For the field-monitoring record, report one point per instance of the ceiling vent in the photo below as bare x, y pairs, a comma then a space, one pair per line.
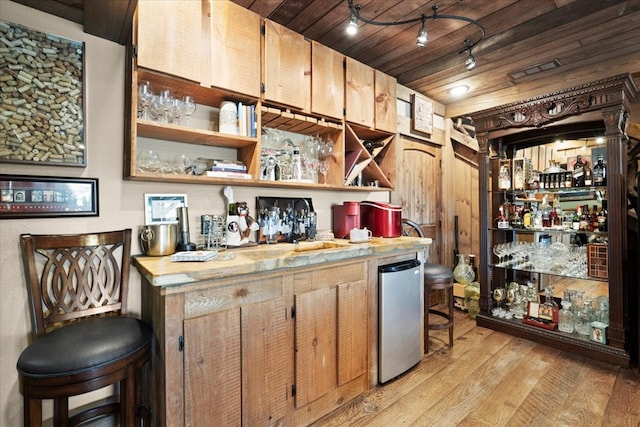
534, 69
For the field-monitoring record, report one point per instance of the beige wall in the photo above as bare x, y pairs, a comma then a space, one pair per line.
121, 202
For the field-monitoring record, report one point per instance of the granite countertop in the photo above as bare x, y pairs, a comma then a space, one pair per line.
161, 271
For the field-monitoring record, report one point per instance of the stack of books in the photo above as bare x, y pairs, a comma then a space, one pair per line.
234, 169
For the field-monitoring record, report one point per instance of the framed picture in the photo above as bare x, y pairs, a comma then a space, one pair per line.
421, 114
162, 208
24, 196
43, 98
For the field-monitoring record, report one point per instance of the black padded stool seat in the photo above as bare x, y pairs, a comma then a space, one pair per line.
440, 278
83, 339
104, 340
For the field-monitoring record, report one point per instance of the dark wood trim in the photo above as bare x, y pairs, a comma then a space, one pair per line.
540, 115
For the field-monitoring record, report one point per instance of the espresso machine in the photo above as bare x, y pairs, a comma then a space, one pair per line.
345, 218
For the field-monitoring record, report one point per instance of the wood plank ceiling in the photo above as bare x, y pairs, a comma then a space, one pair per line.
586, 39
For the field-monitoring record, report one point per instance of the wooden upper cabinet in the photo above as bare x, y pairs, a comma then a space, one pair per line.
386, 115
327, 81
170, 37
359, 93
287, 67
235, 48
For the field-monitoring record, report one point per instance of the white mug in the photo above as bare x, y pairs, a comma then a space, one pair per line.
357, 235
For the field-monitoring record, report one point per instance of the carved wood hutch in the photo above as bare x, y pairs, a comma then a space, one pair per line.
601, 106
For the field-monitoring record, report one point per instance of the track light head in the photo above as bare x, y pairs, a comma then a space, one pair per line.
470, 63
423, 36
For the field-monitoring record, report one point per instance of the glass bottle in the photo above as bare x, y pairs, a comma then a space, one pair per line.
600, 173
575, 220
578, 172
463, 273
588, 176
504, 178
518, 178
296, 164
545, 210
565, 318
472, 298
602, 217
581, 317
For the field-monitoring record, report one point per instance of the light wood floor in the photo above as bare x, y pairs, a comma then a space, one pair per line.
492, 379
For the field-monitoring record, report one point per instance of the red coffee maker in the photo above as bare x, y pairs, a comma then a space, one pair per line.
345, 218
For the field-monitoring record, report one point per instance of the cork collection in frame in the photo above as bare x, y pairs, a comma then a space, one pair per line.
42, 104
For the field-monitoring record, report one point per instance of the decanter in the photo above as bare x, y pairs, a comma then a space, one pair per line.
565, 317
463, 273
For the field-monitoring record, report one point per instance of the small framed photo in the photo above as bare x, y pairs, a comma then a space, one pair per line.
421, 114
598, 332
162, 208
24, 196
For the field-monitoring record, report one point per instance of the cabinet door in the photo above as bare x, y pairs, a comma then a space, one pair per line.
359, 93
287, 67
235, 48
352, 331
327, 81
315, 335
265, 363
385, 102
170, 37
212, 379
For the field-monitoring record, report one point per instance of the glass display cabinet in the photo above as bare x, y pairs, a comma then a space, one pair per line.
546, 226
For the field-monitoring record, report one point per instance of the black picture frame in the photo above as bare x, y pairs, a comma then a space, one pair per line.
23, 196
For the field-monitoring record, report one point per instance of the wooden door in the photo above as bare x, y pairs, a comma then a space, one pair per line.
235, 48
315, 343
385, 99
170, 37
327, 81
212, 377
419, 189
352, 331
359, 93
265, 363
287, 67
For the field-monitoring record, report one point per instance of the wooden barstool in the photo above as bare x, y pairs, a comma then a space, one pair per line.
438, 278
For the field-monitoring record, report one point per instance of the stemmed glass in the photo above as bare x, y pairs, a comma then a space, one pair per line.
188, 108
145, 96
163, 104
323, 168
498, 295
498, 250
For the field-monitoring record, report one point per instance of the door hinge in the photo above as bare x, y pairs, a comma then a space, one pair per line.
262, 88
180, 343
263, 29
134, 51
293, 311
293, 390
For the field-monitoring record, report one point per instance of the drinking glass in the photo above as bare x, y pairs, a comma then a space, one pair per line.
188, 108
163, 105
498, 295
323, 168
145, 96
148, 161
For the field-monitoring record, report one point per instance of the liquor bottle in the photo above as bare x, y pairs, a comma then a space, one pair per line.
549, 309
565, 318
594, 219
568, 180
545, 211
504, 178
588, 176
526, 215
578, 172
602, 218
296, 164
600, 173
575, 221
584, 218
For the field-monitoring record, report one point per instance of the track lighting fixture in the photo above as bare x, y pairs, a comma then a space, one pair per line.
423, 36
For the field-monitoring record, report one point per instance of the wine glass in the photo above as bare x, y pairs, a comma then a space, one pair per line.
323, 168
163, 105
148, 161
498, 295
188, 108
145, 96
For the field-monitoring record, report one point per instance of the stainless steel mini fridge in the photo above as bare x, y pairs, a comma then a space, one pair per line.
400, 305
